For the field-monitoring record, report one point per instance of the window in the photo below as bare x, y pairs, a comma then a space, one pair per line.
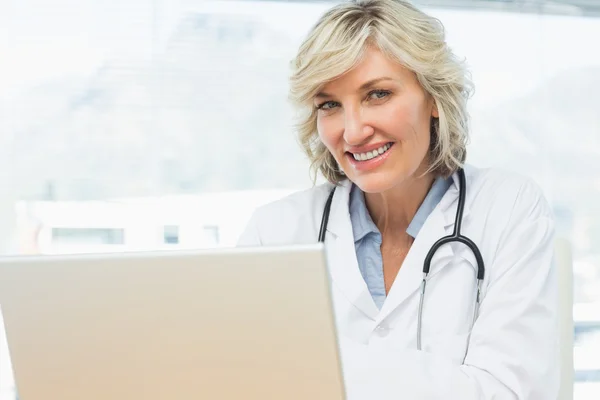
87, 236
171, 234
156, 107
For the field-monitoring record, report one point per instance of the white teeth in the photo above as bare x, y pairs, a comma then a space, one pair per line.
371, 154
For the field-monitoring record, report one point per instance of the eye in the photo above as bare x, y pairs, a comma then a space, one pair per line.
378, 94
328, 105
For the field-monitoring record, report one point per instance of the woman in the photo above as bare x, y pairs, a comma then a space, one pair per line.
385, 121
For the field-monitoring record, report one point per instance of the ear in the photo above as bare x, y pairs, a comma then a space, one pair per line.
434, 111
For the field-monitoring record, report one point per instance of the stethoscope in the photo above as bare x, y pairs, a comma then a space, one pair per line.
454, 237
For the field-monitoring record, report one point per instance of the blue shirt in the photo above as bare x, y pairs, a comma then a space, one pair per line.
367, 238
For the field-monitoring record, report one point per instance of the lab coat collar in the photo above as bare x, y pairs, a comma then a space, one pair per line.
339, 216
341, 254
449, 202
344, 265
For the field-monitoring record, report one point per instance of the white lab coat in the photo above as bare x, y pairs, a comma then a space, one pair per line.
513, 346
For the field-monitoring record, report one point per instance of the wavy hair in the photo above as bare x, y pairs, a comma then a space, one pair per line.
337, 43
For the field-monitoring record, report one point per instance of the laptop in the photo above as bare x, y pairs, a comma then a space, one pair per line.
239, 323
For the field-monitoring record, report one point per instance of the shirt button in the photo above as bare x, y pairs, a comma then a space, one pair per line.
381, 330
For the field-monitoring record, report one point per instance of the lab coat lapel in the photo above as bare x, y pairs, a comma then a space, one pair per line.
343, 264
440, 223
410, 275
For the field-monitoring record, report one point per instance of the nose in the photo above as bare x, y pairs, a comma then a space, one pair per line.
356, 131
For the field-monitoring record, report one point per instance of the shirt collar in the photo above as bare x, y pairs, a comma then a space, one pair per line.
362, 224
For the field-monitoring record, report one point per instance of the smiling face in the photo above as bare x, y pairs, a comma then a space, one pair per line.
376, 120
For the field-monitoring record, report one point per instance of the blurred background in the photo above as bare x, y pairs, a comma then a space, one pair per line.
151, 124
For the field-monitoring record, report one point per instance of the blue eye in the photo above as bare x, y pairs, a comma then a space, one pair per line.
378, 94
328, 105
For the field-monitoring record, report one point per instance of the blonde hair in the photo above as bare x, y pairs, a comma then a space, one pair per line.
405, 34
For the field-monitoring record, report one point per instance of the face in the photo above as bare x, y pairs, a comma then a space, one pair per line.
375, 120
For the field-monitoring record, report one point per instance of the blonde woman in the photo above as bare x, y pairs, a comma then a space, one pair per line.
384, 118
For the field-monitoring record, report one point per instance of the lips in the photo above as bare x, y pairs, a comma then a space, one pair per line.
368, 155
372, 158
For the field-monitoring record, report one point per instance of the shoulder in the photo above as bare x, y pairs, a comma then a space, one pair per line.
299, 202
506, 192
510, 216
291, 219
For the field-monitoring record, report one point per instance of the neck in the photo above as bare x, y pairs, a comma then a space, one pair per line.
393, 210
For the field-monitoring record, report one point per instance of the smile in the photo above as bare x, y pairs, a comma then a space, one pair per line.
371, 154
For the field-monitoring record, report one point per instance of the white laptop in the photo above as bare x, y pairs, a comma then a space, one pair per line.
243, 323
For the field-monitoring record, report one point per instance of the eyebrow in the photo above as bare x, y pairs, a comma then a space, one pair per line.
363, 87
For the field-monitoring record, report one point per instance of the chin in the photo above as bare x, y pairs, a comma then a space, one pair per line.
378, 182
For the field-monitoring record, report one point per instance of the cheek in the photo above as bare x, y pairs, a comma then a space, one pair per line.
407, 122
328, 131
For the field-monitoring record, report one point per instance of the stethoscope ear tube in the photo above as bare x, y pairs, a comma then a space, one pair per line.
325, 217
